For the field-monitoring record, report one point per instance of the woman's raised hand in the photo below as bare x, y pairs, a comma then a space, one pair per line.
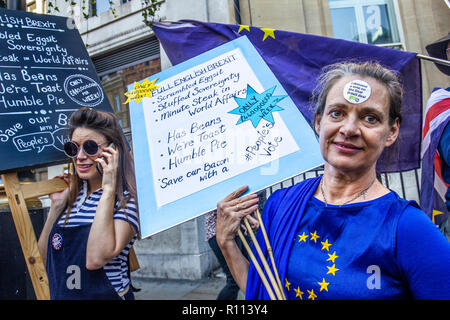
59, 199
109, 160
231, 211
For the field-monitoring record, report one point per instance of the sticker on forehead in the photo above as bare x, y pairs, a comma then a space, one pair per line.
357, 91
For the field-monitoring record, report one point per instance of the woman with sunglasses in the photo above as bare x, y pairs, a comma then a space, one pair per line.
92, 225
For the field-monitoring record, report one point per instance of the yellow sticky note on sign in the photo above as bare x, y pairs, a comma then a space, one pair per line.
141, 90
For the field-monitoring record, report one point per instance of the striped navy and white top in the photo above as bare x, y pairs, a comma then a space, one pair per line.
83, 212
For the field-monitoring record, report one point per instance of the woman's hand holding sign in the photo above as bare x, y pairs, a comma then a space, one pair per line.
230, 212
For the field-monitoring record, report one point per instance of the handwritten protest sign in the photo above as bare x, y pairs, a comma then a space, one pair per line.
208, 126
45, 75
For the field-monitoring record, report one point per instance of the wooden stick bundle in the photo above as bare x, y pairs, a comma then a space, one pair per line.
276, 284
257, 266
269, 249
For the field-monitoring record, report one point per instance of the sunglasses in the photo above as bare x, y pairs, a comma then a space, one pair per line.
90, 148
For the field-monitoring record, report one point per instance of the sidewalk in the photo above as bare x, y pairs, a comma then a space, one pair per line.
169, 289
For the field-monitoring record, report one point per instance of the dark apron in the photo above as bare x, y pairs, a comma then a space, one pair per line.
66, 268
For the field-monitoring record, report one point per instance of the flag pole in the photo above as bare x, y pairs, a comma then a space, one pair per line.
436, 60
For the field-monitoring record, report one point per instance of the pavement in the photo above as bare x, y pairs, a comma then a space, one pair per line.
179, 289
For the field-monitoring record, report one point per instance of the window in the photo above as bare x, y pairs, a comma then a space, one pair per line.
367, 21
123, 66
117, 102
35, 6
31, 6
100, 6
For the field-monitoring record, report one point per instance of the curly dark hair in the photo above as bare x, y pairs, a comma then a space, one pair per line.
106, 124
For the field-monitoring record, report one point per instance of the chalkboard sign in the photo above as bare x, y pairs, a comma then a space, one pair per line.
45, 75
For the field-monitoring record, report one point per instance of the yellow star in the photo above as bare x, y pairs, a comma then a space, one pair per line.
302, 237
325, 245
141, 90
332, 269
436, 213
298, 293
242, 27
287, 285
323, 285
312, 295
332, 257
268, 33
314, 236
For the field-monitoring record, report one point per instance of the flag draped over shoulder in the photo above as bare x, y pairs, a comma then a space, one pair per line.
434, 188
296, 60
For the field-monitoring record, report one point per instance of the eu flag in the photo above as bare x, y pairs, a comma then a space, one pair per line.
296, 60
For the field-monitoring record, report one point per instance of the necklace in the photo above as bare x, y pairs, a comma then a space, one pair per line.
348, 201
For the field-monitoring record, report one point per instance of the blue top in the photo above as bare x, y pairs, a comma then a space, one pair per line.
380, 249
364, 251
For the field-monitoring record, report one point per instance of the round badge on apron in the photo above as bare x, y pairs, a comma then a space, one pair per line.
57, 241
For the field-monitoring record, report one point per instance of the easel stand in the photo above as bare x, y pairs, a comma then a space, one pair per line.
17, 194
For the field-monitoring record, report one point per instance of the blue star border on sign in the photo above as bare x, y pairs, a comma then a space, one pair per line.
256, 106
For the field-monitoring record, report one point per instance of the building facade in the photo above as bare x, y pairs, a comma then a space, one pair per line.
124, 49
402, 24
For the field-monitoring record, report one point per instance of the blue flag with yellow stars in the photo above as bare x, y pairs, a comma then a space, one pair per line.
296, 60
